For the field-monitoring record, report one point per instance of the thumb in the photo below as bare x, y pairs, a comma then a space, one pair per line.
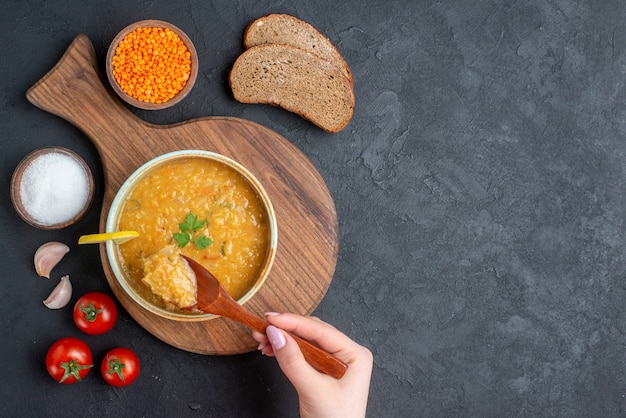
289, 357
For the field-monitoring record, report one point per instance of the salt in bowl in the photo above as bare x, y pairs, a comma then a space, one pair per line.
52, 188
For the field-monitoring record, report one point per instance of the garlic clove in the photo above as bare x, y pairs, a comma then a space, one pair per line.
60, 295
48, 255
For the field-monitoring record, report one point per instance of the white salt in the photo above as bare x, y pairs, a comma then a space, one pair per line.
54, 188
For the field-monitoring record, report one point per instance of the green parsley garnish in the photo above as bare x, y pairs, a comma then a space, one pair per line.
202, 242
190, 225
182, 238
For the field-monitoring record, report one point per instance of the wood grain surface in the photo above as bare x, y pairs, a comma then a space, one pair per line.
307, 221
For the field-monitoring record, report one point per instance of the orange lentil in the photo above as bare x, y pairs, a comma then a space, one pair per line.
151, 64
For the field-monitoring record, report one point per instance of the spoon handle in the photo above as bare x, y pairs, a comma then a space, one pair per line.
319, 359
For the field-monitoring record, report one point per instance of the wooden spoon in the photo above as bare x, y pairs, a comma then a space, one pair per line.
213, 298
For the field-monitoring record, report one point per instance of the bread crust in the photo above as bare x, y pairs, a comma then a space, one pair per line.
285, 29
295, 80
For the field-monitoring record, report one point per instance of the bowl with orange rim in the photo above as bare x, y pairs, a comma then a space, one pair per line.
152, 64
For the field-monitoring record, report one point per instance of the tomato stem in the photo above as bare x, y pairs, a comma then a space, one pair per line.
90, 311
72, 368
116, 367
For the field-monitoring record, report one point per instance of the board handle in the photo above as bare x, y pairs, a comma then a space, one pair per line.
73, 90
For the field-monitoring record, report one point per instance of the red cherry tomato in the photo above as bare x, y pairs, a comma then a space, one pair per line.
120, 367
95, 313
69, 360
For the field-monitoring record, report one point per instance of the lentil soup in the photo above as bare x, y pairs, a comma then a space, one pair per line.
208, 211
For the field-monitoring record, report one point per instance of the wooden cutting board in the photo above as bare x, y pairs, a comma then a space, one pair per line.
307, 222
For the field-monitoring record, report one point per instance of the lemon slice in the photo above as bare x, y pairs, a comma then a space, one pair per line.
117, 237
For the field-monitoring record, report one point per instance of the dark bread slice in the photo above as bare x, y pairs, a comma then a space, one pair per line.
300, 82
285, 29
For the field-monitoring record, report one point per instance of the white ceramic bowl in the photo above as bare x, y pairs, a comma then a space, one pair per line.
117, 205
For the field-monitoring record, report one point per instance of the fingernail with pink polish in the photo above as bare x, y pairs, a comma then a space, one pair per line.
276, 337
271, 313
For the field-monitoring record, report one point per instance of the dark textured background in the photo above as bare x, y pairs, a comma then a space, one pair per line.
479, 189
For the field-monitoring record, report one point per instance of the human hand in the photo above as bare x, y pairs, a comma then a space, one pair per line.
320, 395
